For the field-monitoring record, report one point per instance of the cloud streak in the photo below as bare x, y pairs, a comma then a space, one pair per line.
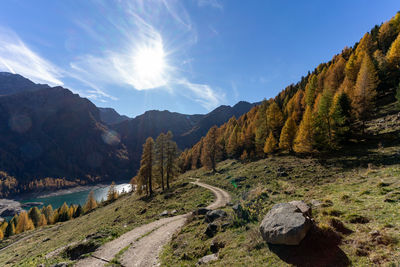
17, 57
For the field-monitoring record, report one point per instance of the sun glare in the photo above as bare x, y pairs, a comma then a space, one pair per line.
149, 63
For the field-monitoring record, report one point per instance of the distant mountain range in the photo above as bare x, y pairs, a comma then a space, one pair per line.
51, 132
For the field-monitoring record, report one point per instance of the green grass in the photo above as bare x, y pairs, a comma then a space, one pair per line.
107, 222
346, 194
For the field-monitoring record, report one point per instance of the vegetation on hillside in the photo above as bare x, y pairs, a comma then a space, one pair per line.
325, 111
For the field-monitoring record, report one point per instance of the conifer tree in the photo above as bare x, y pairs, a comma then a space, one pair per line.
340, 113
24, 223
365, 90
1, 235
145, 174
288, 135
10, 230
261, 129
91, 202
274, 118
210, 149
112, 193
303, 142
171, 157
270, 144
322, 121
42, 220
351, 69
34, 215
311, 89
78, 211
49, 214
233, 145
244, 155
63, 213
160, 156
393, 55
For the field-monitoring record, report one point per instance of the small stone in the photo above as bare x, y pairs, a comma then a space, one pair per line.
303, 207
174, 212
374, 233
316, 203
164, 213
208, 259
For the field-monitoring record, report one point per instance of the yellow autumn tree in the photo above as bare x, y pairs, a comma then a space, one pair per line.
274, 118
393, 55
112, 193
24, 223
1, 234
288, 135
91, 202
365, 90
42, 220
270, 144
303, 142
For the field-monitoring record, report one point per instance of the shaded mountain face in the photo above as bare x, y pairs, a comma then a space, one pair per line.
51, 132
110, 117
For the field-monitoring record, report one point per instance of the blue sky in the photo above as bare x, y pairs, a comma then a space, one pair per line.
185, 56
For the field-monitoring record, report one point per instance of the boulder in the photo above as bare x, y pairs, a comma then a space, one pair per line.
208, 259
211, 229
212, 215
285, 224
201, 211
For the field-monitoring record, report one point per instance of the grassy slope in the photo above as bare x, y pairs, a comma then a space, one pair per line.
349, 185
110, 221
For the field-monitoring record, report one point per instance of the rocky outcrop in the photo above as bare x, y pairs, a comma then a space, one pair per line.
9, 208
215, 214
286, 224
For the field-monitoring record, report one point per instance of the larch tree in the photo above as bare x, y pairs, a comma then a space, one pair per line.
49, 213
1, 235
340, 113
145, 174
171, 158
304, 140
91, 202
112, 193
42, 220
232, 148
365, 90
24, 223
322, 123
393, 55
274, 118
10, 230
210, 149
160, 155
270, 144
34, 215
311, 87
288, 134
63, 213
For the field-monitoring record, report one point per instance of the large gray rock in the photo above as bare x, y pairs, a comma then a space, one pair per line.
215, 214
303, 207
207, 259
285, 224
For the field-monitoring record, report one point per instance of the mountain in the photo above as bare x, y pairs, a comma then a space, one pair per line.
15, 83
109, 116
187, 129
53, 138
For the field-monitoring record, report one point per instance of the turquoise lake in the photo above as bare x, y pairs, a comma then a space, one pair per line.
77, 197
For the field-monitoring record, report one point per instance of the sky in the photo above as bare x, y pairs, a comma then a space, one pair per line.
186, 56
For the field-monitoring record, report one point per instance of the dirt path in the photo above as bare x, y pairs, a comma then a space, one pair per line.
145, 242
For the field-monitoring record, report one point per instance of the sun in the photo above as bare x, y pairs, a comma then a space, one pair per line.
149, 64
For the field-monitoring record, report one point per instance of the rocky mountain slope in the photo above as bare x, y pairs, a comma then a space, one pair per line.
52, 138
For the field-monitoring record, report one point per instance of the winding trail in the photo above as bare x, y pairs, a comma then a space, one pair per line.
144, 243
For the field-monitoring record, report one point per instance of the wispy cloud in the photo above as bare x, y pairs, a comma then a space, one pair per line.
17, 57
211, 3
203, 94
